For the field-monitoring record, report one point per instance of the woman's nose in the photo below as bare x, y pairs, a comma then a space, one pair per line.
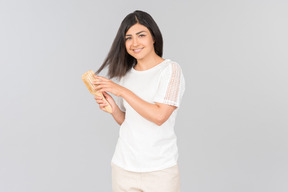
135, 41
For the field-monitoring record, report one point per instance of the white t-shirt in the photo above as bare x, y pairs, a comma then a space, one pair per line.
144, 146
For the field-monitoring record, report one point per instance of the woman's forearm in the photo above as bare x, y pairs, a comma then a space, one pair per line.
118, 115
152, 112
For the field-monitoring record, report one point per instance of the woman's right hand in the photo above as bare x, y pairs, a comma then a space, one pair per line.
102, 103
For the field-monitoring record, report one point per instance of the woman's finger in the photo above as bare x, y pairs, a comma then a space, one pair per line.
102, 78
100, 86
105, 94
97, 97
100, 102
102, 106
99, 82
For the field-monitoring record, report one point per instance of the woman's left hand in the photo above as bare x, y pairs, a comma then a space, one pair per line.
108, 86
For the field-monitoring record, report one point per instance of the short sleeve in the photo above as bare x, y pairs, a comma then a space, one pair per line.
171, 86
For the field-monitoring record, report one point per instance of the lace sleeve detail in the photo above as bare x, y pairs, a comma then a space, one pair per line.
171, 86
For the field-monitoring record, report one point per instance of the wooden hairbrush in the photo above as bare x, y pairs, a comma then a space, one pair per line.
88, 78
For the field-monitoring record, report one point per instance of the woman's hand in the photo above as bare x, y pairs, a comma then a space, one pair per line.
117, 114
106, 85
102, 103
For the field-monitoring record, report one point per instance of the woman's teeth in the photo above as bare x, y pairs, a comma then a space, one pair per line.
137, 50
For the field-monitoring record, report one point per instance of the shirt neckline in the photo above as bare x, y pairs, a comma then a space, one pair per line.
151, 69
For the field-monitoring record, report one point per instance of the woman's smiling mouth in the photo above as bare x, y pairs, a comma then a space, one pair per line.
137, 50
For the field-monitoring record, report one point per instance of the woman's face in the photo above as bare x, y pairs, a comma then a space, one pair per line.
139, 42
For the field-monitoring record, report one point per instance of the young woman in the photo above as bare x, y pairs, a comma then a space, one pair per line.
148, 96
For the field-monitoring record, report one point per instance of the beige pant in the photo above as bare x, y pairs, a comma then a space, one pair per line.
166, 180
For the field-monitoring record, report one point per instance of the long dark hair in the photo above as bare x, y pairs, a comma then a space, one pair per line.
119, 62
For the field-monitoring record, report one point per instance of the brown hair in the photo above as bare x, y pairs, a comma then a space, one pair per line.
118, 61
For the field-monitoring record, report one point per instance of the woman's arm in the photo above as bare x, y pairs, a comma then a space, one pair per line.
117, 114
157, 113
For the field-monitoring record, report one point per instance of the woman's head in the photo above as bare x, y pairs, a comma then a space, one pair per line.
143, 18
118, 59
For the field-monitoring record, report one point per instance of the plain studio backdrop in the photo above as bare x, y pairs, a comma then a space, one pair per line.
232, 125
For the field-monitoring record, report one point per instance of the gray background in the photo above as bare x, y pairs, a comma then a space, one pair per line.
232, 127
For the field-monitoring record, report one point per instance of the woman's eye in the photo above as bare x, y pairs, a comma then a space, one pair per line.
127, 38
141, 35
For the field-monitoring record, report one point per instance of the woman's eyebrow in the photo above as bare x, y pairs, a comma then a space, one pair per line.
136, 33
140, 32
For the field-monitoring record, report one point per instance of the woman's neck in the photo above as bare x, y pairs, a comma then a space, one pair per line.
148, 63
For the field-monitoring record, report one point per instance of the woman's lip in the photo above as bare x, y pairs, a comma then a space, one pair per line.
137, 50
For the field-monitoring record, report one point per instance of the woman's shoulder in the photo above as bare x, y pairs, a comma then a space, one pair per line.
171, 65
